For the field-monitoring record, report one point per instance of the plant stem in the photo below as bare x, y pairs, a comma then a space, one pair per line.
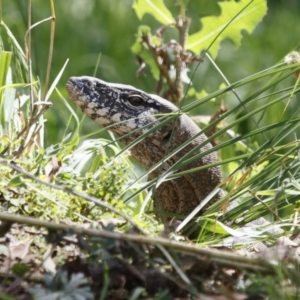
182, 25
51, 46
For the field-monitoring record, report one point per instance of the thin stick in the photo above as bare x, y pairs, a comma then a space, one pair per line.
217, 256
51, 46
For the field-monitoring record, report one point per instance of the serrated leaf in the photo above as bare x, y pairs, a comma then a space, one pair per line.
155, 8
245, 15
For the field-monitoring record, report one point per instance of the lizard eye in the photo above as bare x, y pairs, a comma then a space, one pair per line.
135, 100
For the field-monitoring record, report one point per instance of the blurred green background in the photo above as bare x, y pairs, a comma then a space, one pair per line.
84, 29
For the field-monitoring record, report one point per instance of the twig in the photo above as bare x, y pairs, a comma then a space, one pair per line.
0, 13
162, 68
33, 93
27, 40
182, 25
220, 257
51, 46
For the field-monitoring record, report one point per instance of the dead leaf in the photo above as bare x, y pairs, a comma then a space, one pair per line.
19, 249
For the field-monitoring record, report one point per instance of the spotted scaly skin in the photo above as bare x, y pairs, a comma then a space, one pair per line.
130, 113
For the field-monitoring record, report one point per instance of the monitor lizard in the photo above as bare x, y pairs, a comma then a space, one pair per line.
131, 112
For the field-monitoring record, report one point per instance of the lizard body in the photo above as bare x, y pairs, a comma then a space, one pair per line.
131, 112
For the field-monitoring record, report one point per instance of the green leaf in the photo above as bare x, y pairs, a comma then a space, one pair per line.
243, 15
156, 8
16, 181
215, 226
19, 60
5, 60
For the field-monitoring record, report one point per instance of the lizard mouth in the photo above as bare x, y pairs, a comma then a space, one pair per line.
72, 88
70, 85
73, 95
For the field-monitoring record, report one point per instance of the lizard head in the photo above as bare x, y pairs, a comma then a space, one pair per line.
125, 107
